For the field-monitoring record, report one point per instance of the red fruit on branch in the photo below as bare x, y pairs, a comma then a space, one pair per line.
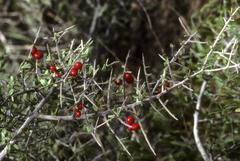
130, 120
38, 55
57, 75
130, 129
34, 50
77, 114
128, 77
134, 127
73, 72
78, 65
53, 68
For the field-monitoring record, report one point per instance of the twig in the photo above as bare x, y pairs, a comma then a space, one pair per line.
146, 74
168, 111
146, 138
109, 89
182, 46
150, 25
98, 11
124, 70
138, 93
184, 25
119, 140
25, 124
198, 142
218, 37
146, 14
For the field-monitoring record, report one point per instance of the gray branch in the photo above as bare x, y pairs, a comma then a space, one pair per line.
198, 142
33, 115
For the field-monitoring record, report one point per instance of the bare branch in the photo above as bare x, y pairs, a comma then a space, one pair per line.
198, 142
119, 140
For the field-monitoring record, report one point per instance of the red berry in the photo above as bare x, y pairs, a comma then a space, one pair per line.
78, 65
38, 55
128, 77
34, 50
118, 82
130, 129
77, 114
80, 105
130, 120
57, 75
53, 68
135, 126
74, 72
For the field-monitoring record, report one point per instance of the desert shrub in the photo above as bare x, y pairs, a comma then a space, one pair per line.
39, 111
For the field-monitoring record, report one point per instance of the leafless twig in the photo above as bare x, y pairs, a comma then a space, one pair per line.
198, 142
119, 140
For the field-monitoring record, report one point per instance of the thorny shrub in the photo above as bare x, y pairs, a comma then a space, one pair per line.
61, 116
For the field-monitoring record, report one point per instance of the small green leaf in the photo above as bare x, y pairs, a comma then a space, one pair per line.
95, 108
237, 109
10, 92
25, 65
46, 72
10, 86
49, 82
89, 69
111, 116
87, 128
86, 53
104, 67
11, 82
43, 82
48, 59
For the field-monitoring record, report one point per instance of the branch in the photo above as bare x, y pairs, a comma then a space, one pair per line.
218, 37
119, 140
25, 124
198, 142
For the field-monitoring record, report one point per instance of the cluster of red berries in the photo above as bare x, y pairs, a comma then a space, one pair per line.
73, 72
77, 110
131, 122
127, 76
36, 53
53, 69
76, 67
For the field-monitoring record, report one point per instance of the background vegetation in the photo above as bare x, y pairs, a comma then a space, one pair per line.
193, 29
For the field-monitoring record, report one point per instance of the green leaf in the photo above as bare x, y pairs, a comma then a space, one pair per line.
86, 53
87, 128
25, 65
10, 92
89, 69
11, 82
111, 116
10, 86
237, 109
43, 82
